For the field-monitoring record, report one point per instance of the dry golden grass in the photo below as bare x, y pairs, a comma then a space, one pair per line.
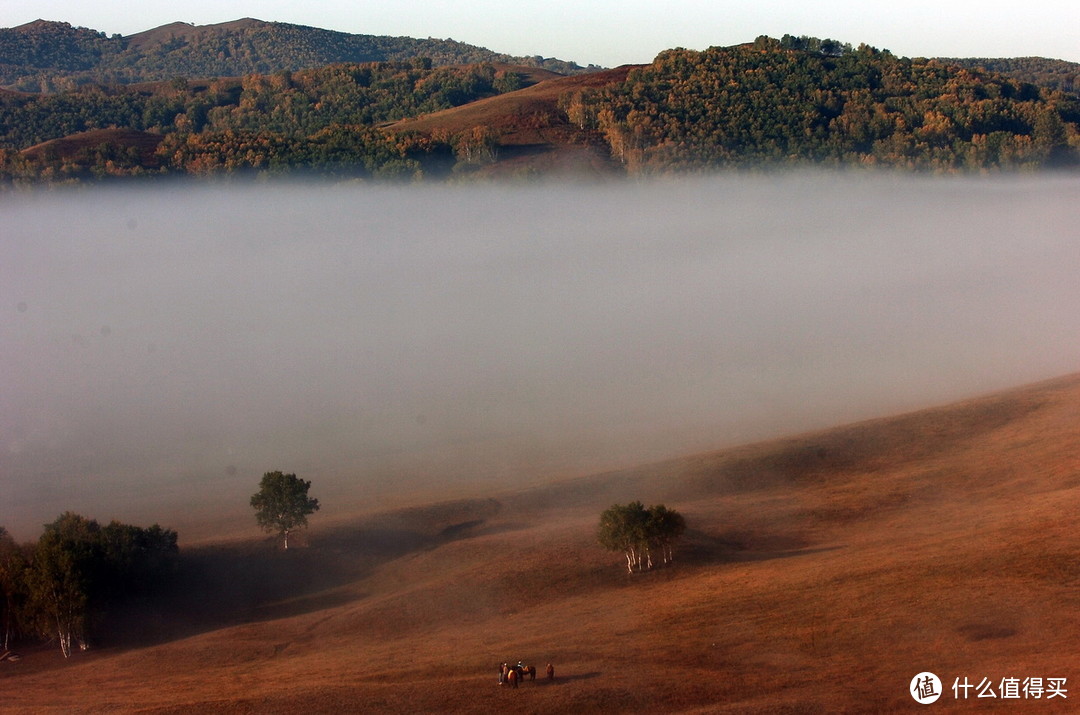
820, 574
534, 135
71, 145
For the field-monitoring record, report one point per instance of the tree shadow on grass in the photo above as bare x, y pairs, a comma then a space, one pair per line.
571, 678
245, 582
735, 547
543, 682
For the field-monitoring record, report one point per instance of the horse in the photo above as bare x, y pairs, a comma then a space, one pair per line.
523, 670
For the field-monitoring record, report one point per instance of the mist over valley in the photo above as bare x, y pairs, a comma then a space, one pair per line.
734, 379
163, 346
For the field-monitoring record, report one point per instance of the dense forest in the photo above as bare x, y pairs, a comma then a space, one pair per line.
54, 56
794, 101
1053, 74
799, 101
323, 119
68, 585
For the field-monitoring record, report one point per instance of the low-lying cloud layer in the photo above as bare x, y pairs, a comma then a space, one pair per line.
161, 348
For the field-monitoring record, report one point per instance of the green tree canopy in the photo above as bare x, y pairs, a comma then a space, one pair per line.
282, 503
78, 569
66, 565
639, 532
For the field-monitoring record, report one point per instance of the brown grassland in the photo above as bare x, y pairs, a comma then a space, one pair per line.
819, 573
71, 146
534, 135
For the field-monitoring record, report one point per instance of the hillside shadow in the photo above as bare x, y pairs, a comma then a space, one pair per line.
737, 546
244, 582
572, 678
519, 151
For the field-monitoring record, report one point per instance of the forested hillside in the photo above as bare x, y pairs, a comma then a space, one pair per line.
1052, 74
51, 56
794, 102
323, 119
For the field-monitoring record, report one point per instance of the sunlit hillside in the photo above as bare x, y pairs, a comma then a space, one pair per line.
820, 573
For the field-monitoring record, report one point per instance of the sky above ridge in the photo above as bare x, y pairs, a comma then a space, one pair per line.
610, 32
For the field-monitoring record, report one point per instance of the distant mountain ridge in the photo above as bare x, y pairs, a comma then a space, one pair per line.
47, 56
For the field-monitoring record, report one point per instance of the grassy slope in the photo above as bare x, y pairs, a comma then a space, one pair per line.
73, 144
534, 134
820, 574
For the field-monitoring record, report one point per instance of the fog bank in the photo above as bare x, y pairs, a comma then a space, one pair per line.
161, 348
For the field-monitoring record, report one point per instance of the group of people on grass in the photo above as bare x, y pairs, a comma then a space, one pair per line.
513, 674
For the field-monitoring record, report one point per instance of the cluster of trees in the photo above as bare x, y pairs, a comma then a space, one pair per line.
1041, 71
54, 56
294, 104
800, 101
641, 532
339, 151
321, 121
63, 586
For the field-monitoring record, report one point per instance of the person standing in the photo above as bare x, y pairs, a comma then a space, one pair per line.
551, 671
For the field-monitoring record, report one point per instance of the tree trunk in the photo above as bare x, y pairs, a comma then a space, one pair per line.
65, 641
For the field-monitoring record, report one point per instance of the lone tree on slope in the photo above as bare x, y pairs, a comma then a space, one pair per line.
282, 503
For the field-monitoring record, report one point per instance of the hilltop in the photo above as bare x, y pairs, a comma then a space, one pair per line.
821, 572
51, 56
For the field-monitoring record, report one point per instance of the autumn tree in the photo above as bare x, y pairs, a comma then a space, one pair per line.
282, 504
478, 145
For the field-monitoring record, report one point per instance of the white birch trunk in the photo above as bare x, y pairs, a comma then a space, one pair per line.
65, 642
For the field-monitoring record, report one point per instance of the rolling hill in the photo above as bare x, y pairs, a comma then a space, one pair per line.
768, 104
535, 136
47, 56
820, 573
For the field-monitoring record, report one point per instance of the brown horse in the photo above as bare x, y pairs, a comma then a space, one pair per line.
523, 670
